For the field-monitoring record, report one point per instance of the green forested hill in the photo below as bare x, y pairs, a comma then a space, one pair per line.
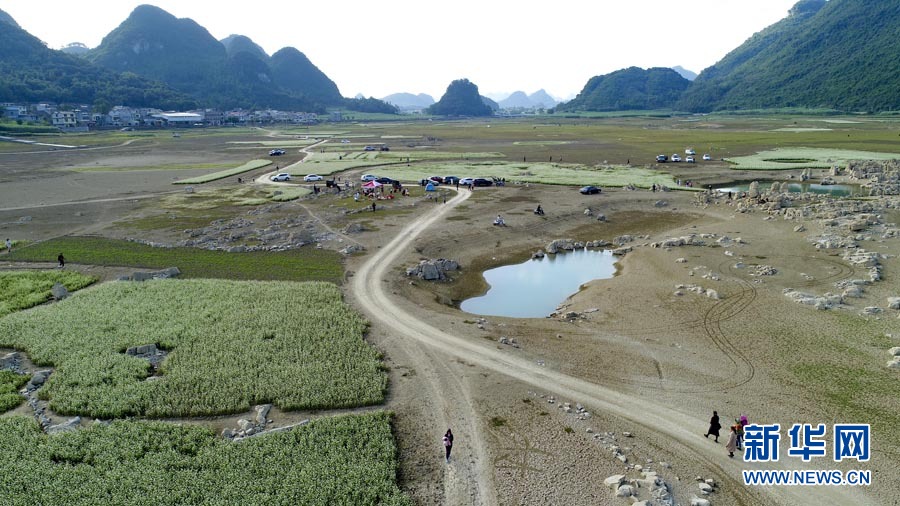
629, 89
837, 54
461, 99
30, 72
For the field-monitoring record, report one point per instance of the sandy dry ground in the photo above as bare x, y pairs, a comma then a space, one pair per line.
647, 361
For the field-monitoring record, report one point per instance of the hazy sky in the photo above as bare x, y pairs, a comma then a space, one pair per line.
378, 48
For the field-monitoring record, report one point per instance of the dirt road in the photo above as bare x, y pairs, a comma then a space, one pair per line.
682, 430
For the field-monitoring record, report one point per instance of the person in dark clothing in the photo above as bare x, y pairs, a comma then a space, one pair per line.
448, 444
714, 426
62, 260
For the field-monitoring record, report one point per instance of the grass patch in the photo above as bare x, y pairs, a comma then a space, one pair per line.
231, 344
338, 159
801, 158
305, 264
24, 289
339, 460
222, 174
13, 243
285, 194
859, 394
496, 421
544, 173
10, 383
141, 168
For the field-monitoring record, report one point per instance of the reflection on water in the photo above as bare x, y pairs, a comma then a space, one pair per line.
835, 190
535, 288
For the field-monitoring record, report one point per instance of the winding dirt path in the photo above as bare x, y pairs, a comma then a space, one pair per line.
682, 430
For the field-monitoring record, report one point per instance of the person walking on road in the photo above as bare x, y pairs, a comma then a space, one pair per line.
8, 245
714, 426
62, 260
448, 444
732, 441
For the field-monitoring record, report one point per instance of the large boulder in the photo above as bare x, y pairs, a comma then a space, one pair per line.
433, 270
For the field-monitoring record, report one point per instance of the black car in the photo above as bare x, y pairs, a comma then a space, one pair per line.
662, 158
384, 180
480, 181
589, 190
451, 179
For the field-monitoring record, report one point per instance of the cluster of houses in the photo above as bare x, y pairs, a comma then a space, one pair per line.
82, 118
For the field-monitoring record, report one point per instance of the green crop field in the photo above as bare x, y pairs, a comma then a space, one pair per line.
24, 289
345, 460
304, 264
10, 383
231, 344
222, 174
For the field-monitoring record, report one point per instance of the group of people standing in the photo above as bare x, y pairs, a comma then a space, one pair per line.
735, 435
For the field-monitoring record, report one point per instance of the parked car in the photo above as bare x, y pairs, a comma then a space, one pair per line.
706, 157
385, 148
436, 179
312, 177
662, 158
689, 159
450, 179
281, 177
480, 181
276, 152
690, 151
466, 181
345, 141
676, 158
384, 180
369, 148
589, 190
368, 177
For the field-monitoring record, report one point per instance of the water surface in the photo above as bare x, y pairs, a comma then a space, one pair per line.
835, 190
534, 289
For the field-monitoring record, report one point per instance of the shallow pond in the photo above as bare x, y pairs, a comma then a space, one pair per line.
835, 190
534, 289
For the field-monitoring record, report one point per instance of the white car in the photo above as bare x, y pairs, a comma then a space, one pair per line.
345, 141
690, 151
466, 181
281, 177
676, 158
689, 159
706, 157
368, 177
312, 177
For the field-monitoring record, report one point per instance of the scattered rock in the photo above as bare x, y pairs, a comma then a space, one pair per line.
697, 501
893, 302
614, 481
624, 491
65, 426
59, 291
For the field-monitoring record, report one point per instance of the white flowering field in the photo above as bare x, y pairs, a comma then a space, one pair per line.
231, 345
344, 460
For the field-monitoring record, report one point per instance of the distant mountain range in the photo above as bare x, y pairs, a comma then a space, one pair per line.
833, 54
538, 99
685, 73
408, 101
